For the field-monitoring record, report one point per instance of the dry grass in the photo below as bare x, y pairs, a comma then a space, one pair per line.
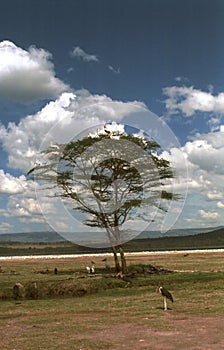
113, 318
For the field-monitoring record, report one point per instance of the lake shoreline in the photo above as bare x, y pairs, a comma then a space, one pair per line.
69, 256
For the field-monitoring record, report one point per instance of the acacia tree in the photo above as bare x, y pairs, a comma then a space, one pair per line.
112, 177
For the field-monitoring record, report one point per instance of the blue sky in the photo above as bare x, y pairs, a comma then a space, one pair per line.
164, 56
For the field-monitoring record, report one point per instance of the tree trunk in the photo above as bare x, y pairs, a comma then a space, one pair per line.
116, 260
123, 260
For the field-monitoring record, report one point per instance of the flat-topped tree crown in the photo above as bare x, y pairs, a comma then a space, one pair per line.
112, 177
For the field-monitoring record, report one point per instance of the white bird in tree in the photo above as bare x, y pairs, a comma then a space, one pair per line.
154, 154
37, 165
54, 146
166, 295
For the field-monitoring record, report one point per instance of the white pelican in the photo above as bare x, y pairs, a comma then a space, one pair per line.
54, 146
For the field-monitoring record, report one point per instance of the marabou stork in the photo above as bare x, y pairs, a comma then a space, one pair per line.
105, 129
166, 295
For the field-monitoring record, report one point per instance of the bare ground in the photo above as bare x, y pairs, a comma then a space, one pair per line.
177, 331
196, 333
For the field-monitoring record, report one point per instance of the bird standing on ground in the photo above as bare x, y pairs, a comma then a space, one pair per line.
90, 269
166, 295
16, 290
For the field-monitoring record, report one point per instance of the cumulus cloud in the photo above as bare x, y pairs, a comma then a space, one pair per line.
73, 114
215, 195
207, 152
204, 160
60, 121
189, 100
220, 205
208, 214
79, 53
5, 227
204, 157
10, 184
23, 207
27, 75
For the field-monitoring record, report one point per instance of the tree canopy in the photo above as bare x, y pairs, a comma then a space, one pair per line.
111, 177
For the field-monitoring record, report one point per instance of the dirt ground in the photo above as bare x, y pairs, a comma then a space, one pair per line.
196, 333
190, 333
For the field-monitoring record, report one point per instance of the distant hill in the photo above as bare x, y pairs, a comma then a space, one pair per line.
32, 237
177, 239
204, 240
177, 232
54, 237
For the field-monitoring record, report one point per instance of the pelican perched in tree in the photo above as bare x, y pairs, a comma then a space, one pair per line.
154, 154
91, 135
54, 146
37, 165
166, 295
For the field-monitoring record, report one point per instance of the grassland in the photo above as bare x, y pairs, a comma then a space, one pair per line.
74, 310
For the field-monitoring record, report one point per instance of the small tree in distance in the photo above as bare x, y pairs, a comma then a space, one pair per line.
112, 177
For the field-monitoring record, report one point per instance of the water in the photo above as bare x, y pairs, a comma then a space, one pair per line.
69, 256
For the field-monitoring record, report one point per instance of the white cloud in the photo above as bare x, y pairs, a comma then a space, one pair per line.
5, 227
79, 53
73, 113
114, 70
208, 215
27, 75
70, 70
220, 204
4, 213
189, 100
215, 195
180, 79
204, 156
10, 184
34, 220
60, 121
